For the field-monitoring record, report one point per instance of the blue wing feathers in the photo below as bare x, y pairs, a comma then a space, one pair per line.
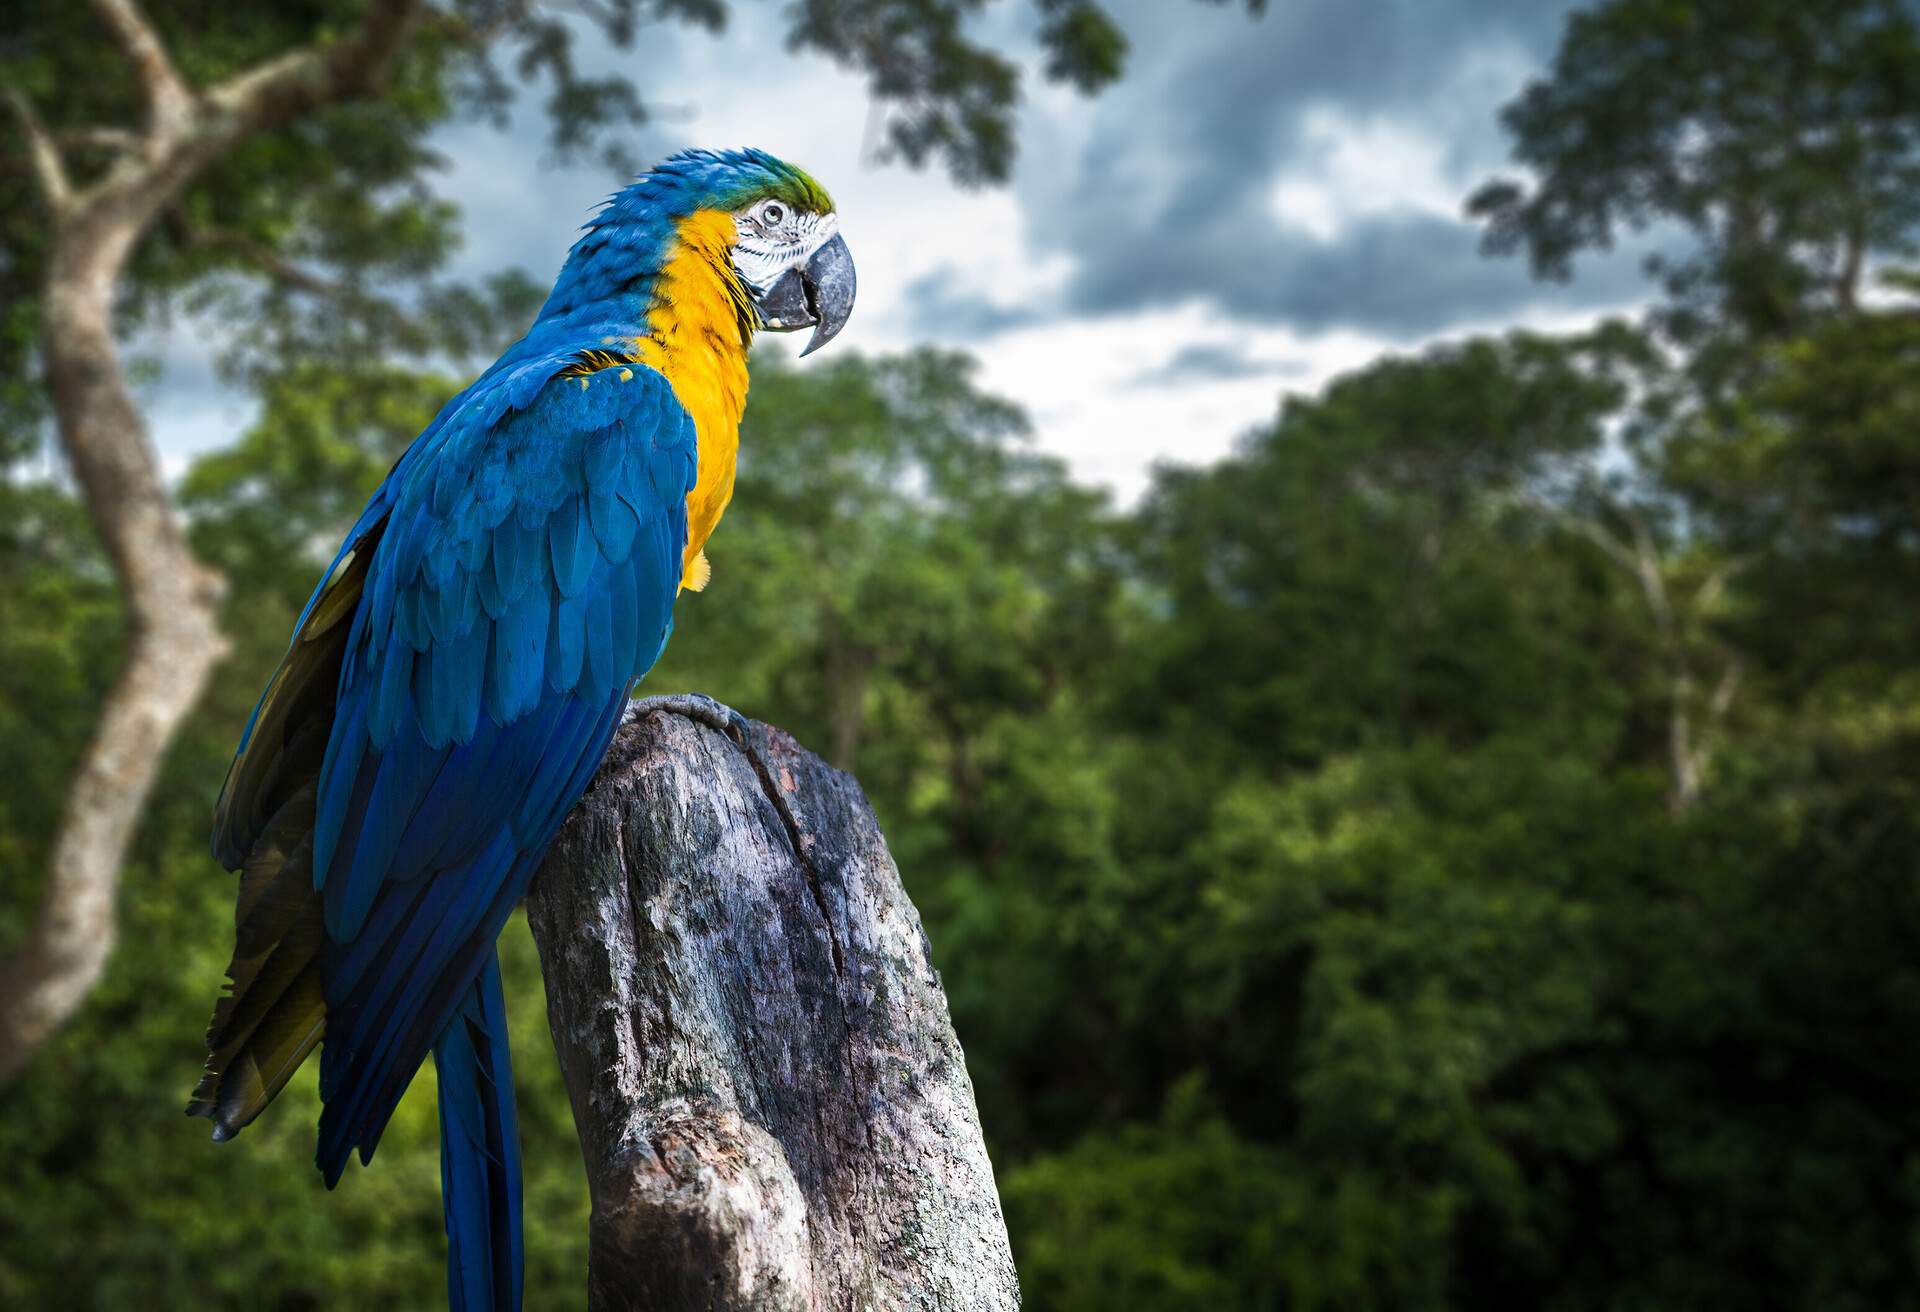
462, 677
625, 608
573, 547
388, 698
380, 617
383, 938
406, 773
601, 673
614, 524
520, 565
515, 555
409, 538
567, 641
517, 665
442, 831
493, 494
338, 771
526, 577
552, 774
601, 455
406, 1006
441, 559
440, 606
669, 465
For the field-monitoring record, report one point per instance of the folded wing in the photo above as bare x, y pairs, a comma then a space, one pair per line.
450, 692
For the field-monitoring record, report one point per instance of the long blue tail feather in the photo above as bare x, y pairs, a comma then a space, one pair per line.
480, 1152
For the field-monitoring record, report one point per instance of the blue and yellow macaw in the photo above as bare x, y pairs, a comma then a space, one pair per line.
458, 673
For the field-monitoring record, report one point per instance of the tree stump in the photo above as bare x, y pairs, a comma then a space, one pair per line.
774, 1110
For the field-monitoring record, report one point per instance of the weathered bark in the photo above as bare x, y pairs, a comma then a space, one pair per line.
1692, 724
173, 640
774, 1110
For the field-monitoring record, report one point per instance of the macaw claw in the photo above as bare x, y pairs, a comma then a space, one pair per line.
699, 708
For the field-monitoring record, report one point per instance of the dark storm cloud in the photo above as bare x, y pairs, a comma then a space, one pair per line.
941, 303
1214, 363
1400, 275
1172, 198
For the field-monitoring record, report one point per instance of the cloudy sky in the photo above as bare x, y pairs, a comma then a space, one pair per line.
1258, 205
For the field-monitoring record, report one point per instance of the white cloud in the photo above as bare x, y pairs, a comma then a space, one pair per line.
1352, 168
1080, 382
189, 408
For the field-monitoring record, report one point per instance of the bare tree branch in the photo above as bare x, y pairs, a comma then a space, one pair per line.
1683, 752
477, 38
173, 641
266, 261
353, 302
49, 171
1853, 261
1723, 691
1646, 557
320, 74
1688, 744
169, 99
1613, 548
113, 139
1716, 584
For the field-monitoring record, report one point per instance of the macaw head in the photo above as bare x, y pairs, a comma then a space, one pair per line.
774, 224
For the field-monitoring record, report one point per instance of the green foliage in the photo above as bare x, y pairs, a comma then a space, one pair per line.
1814, 477
1777, 134
1177, 1213
1366, 535
56, 602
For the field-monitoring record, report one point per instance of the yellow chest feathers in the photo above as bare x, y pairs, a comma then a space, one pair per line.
698, 333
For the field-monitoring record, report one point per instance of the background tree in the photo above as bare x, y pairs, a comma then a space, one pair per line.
1771, 153
1777, 138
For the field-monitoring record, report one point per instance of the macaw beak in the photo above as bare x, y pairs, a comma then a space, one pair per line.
817, 295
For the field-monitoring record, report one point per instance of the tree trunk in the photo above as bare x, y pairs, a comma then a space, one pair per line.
774, 1110
173, 640
173, 636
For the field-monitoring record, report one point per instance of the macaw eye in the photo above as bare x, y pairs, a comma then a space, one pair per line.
773, 213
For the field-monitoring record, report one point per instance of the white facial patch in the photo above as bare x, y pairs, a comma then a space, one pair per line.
773, 239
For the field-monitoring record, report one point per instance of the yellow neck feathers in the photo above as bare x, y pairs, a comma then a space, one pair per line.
699, 330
